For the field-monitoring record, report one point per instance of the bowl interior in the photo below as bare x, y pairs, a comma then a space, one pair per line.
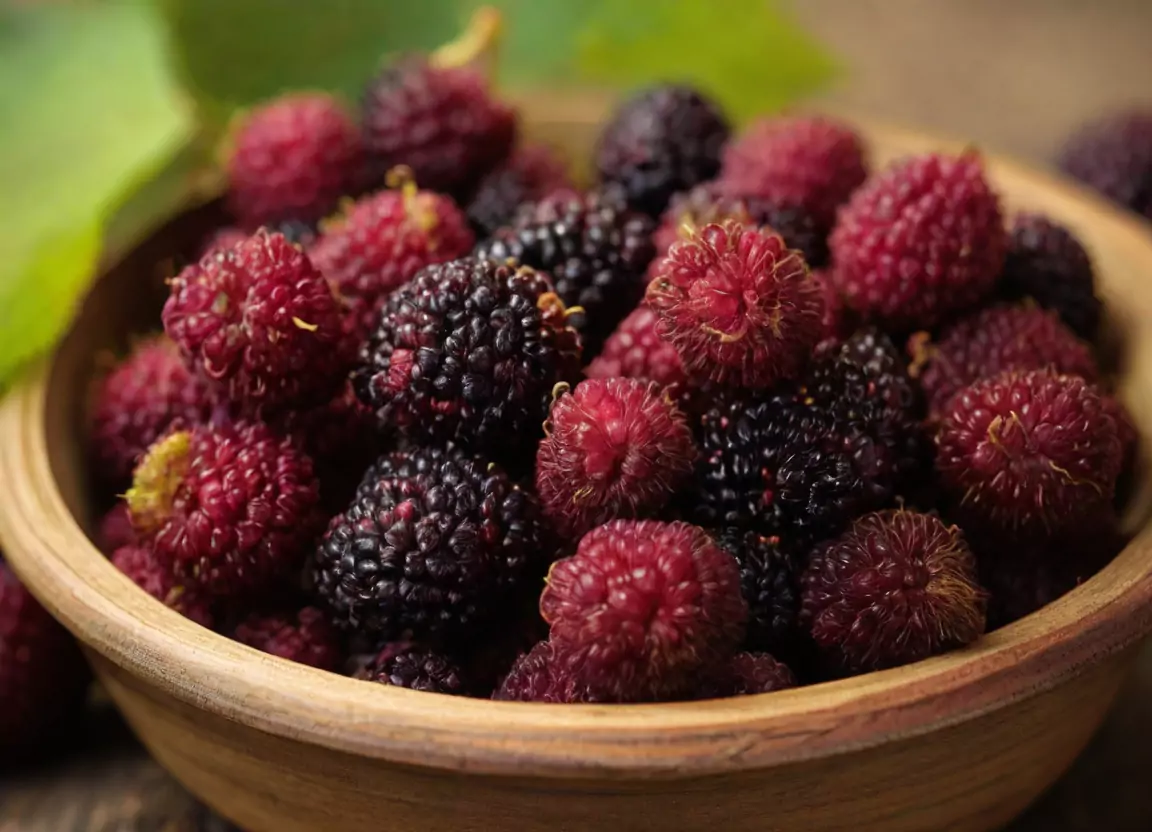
206, 670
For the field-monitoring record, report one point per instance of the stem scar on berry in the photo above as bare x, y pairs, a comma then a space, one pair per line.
157, 479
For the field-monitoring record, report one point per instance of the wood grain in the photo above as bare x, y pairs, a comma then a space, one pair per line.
962, 741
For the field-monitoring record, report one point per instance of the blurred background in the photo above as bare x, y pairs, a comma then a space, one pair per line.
110, 113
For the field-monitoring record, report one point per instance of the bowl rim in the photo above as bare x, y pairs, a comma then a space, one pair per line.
161, 649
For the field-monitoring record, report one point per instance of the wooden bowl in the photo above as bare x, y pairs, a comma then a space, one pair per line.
960, 742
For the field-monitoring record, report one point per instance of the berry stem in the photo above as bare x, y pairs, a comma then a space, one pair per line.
477, 45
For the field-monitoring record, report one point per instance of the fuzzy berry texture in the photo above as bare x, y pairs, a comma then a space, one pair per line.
1023, 577
408, 665
469, 351
746, 674
770, 582
919, 242
1113, 155
661, 141
305, 636
43, 677
636, 350
115, 529
800, 461
441, 122
293, 159
232, 508
155, 577
642, 607
434, 542
1048, 264
531, 173
1028, 453
996, 340
149, 393
812, 162
711, 202
261, 323
897, 587
738, 305
381, 241
543, 674
592, 246
615, 448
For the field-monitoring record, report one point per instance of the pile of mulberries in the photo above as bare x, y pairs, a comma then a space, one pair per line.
736, 417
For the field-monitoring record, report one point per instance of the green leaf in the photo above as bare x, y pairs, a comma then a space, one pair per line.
89, 113
748, 54
234, 53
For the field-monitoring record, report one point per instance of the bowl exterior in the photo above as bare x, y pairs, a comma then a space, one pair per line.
970, 777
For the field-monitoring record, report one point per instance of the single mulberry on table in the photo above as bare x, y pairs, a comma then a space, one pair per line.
293, 158
919, 242
615, 448
43, 676
232, 508
1113, 155
378, 244
260, 322
594, 248
738, 305
469, 351
440, 121
897, 587
1031, 453
641, 609
661, 141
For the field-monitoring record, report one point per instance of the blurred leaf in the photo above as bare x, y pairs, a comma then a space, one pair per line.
748, 54
234, 53
89, 113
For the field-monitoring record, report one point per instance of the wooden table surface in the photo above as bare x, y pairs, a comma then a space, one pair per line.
1014, 77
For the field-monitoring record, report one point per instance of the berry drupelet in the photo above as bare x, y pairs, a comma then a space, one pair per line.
661, 141
305, 636
434, 542
897, 587
531, 173
440, 121
1048, 264
919, 242
232, 508
543, 674
1113, 155
469, 351
260, 322
43, 677
145, 396
593, 247
411, 666
293, 158
635, 350
712, 203
642, 608
155, 577
992, 341
770, 583
738, 305
615, 448
1028, 453
381, 241
802, 460
811, 162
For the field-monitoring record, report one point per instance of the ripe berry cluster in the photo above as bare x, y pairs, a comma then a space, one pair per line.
431, 416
